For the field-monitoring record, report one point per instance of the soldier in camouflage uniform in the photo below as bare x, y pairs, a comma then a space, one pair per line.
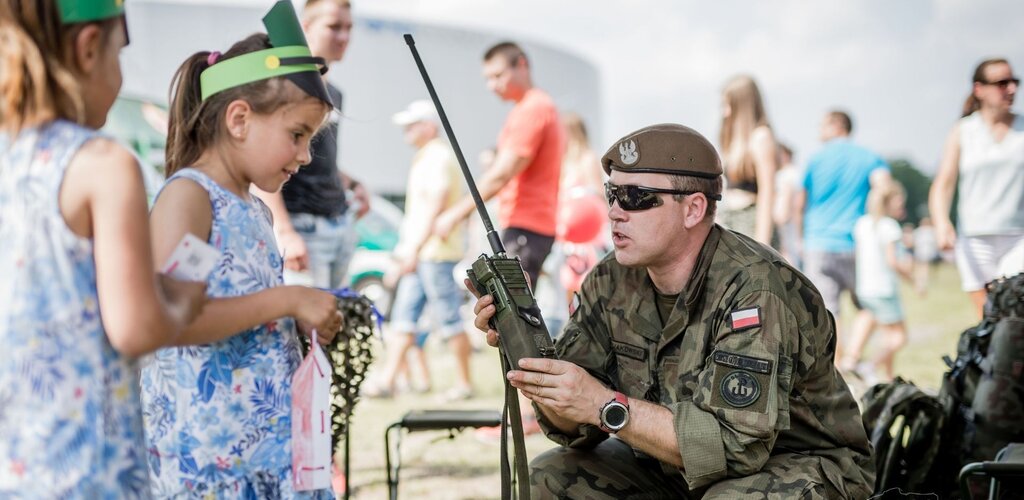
720, 353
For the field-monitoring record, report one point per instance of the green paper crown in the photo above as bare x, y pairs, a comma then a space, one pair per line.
79, 11
289, 57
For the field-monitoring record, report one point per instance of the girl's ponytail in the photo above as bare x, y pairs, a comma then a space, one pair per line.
186, 137
972, 103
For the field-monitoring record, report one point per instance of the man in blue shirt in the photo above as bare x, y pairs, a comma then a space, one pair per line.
835, 190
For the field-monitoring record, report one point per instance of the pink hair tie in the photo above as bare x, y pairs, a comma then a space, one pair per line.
212, 58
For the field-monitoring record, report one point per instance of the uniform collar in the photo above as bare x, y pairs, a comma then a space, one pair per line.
690, 298
695, 287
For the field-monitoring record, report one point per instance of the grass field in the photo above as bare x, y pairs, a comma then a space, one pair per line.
464, 467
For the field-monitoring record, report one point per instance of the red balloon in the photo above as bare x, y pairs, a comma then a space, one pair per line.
581, 218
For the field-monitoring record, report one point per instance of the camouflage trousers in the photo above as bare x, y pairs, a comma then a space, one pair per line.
612, 471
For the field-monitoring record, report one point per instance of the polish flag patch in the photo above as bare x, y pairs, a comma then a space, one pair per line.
745, 318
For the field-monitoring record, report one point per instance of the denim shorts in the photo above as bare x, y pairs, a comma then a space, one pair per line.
886, 310
330, 243
433, 283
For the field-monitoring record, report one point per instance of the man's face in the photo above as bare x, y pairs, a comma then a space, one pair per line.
505, 78
829, 129
647, 238
328, 28
418, 133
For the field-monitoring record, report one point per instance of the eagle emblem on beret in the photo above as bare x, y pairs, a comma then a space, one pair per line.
628, 153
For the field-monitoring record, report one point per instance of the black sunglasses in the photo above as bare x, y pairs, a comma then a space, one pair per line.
1004, 82
634, 198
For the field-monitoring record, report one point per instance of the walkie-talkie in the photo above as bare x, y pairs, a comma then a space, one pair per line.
521, 329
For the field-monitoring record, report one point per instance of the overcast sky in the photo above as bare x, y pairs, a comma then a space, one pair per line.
902, 68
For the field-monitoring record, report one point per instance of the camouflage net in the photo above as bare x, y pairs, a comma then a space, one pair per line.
350, 355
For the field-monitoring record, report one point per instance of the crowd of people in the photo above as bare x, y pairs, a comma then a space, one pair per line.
705, 343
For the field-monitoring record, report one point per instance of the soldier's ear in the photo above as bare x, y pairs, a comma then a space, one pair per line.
696, 206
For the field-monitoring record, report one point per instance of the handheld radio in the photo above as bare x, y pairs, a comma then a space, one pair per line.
521, 329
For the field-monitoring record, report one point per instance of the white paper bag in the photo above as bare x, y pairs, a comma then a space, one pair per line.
311, 421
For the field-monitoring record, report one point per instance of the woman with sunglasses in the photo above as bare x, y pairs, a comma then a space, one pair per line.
984, 159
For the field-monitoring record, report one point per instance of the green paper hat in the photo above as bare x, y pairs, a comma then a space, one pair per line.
80, 11
290, 57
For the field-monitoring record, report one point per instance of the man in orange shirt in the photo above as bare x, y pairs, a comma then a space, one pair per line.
526, 169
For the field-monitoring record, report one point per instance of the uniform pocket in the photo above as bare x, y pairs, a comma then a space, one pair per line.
633, 375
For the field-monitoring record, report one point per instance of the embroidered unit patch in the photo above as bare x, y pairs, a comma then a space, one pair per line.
740, 389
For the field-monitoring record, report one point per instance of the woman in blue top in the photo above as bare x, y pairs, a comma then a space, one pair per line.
218, 408
78, 298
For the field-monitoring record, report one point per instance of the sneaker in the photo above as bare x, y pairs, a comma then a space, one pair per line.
456, 394
867, 373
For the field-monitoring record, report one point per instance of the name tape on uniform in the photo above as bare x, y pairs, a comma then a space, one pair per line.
743, 362
629, 350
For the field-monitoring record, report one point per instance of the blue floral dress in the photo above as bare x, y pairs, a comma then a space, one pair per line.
70, 419
218, 416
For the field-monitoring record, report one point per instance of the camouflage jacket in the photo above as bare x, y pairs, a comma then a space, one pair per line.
744, 362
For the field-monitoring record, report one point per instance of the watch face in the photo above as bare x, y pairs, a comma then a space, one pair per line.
615, 415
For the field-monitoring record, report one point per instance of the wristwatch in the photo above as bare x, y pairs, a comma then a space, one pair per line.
615, 414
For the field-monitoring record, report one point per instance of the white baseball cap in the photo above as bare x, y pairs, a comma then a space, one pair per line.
418, 111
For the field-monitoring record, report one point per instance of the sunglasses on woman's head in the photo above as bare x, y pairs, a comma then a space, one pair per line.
634, 198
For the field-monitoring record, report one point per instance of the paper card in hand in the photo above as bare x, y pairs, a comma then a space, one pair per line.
192, 260
311, 421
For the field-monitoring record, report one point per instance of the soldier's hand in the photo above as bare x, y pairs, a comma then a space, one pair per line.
561, 386
484, 310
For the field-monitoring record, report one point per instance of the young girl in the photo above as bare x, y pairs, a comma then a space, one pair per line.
877, 238
78, 298
218, 409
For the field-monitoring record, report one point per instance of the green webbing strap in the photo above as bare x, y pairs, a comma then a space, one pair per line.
79, 11
254, 66
519, 473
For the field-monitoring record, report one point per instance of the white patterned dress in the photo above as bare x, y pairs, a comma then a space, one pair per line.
70, 419
218, 416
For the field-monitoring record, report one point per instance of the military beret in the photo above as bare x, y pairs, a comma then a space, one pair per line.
667, 148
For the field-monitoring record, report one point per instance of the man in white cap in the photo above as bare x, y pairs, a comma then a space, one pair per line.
424, 263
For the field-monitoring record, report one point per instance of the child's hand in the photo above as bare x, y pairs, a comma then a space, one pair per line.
185, 299
316, 309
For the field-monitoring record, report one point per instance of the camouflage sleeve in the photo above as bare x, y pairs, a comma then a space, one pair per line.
585, 342
741, 401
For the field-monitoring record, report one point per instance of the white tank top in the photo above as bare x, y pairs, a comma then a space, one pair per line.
991, 180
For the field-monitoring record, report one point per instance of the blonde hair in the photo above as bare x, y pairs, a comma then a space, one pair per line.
576, 135
309, 11
746, 114
880, 196
38, 83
